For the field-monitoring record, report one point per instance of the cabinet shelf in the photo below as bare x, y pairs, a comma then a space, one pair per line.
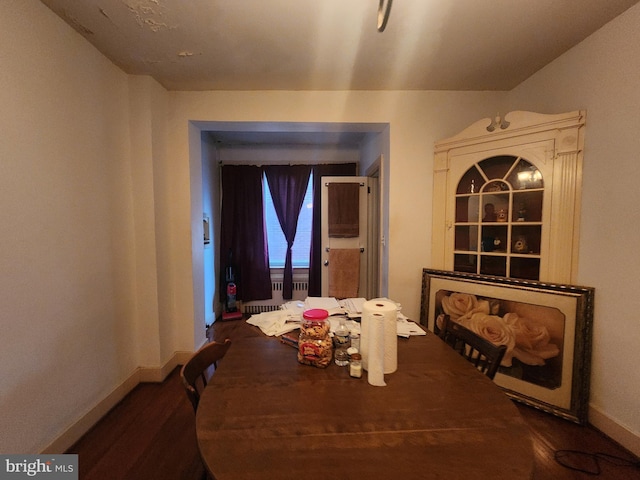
497, 254
497, 224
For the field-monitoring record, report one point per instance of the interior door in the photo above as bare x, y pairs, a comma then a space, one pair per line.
348, 239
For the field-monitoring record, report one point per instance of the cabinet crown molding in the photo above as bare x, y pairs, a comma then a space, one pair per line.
513, 124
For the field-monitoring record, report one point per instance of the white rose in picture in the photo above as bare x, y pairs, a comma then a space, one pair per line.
533, 345
458, 305
494, 329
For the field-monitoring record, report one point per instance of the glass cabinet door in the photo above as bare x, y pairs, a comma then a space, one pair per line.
498, 218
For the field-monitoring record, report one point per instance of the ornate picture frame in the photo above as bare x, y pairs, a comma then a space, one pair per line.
547, 329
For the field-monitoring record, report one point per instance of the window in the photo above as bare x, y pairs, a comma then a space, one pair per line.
275, 237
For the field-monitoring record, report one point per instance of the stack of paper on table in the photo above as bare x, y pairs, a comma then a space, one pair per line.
406, 327
289, 316
330, 304
274, 323
353, 306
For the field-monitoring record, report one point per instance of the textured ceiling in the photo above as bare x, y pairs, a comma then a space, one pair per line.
334, 44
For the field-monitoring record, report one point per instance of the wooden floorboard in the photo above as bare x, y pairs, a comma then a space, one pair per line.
150, 434
551, 434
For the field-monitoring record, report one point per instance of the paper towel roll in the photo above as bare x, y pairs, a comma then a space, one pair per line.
389, 346
375, 332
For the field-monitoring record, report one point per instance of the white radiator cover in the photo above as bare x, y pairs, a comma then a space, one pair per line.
300, 292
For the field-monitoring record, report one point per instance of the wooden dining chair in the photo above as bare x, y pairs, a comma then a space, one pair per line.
486, 356
196, 372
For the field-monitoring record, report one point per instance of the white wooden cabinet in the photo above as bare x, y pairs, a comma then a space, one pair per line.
506, 198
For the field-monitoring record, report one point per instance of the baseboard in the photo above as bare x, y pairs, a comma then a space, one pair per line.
614, 430
72, 434
158, 374
140, 375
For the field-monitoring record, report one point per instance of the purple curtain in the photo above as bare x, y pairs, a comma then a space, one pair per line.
243, 241
315, 259
288, 185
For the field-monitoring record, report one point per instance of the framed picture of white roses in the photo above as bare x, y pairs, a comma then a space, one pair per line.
547, 329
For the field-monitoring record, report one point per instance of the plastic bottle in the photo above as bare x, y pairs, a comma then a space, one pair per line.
354, 338
342, 342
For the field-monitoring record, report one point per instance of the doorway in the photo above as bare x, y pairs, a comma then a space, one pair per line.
214, 142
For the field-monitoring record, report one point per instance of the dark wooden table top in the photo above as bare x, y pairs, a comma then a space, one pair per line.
265, 416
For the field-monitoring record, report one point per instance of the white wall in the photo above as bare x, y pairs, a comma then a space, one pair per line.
602, 75
66, 287
298, 154
147, 329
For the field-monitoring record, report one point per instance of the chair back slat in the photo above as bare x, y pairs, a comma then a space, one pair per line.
195, 372
483, 354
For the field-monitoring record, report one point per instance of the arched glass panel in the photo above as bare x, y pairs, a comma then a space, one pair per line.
499, 218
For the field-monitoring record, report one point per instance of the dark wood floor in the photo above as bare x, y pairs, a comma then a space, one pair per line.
151, 435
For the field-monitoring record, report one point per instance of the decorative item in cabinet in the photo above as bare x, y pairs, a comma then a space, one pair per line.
494, 238
525, 239
520, 245
527, 206
470, 182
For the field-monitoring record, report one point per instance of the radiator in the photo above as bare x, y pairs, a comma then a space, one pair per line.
300, 291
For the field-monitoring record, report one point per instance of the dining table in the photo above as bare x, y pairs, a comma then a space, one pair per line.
264, 415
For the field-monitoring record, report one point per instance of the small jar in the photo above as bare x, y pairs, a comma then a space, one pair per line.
355, 365
314, 344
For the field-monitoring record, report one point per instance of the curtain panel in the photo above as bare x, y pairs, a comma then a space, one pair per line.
288, 185
243, 241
